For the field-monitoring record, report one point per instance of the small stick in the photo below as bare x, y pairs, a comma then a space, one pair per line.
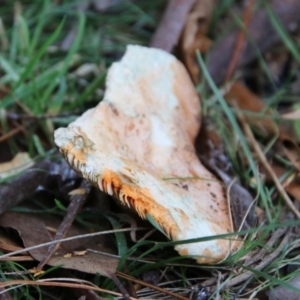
265, 262
10, 134
76, 204
55, 282
273, 239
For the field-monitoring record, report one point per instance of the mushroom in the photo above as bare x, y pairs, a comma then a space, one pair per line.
137, 145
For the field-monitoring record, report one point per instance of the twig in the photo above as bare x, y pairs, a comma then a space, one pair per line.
117, 282
264, 263
56, 282
273, 239
11, 133
74, 207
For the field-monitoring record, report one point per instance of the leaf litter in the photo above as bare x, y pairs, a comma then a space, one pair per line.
274, 134
91, 262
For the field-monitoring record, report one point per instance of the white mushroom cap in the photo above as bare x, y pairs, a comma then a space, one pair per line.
138, 146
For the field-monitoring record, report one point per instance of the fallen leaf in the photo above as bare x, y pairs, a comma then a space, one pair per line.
239, 96
283, 292
291, 150
18, 189
43, 174
291, 184
8, 243
194, 35
293, 188
242, 98
92, 262
19, 163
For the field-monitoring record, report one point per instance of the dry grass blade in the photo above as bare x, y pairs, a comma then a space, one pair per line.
18, 258
273, 239
267, 166
5, 295
54, 282
68, 239
264, 263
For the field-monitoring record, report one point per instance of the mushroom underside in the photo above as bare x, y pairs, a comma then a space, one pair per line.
138, 146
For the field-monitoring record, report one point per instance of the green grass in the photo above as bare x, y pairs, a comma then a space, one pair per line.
39, 80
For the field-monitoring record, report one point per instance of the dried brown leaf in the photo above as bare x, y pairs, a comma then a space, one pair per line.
44, 174
291, 184
291, 150
8, 243
24, 186
92, 262
19, 163
194, 35
294, 188
241, 97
